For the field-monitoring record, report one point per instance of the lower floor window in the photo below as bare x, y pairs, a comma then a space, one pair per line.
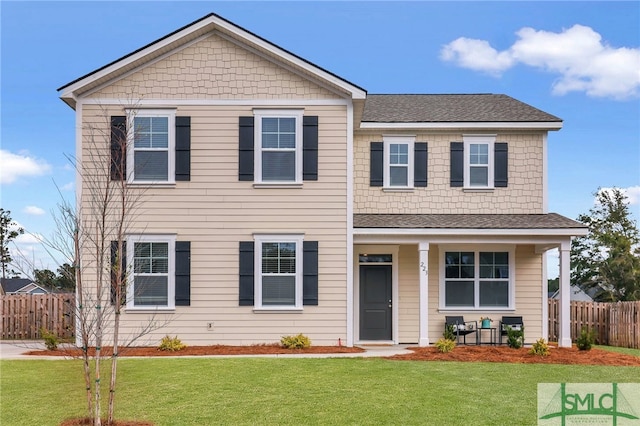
152, 283
477, 279
279, 264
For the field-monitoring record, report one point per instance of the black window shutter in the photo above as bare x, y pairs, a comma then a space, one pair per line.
310, 147
114, 258
310, 273
245, 154
183, 273
376, 173
457, 164
246, 273
501, 164
183, 148
118, 147
420, 164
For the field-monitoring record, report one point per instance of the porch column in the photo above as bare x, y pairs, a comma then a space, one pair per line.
564, 337
423, 273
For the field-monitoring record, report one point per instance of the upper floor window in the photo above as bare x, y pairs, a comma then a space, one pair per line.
477, 279
478, 161
278, 152
151, 157
398, 163
398, 155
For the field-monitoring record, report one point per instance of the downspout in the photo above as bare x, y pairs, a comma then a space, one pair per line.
349, 259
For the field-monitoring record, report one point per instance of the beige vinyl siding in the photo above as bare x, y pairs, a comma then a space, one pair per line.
528, 295
523, 195
408, 295
215, 211
436, 319
529, 290
214, 68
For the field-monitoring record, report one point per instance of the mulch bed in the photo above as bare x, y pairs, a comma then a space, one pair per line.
521, 356
460, 353
272, 349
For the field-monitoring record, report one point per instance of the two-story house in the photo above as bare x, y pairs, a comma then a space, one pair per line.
274, 197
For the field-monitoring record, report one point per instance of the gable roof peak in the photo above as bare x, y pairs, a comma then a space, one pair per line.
200, 27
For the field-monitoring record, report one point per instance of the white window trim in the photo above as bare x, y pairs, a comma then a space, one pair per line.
475, 248
171, 279
478, 139
388, 140
298, 239
171, 148
258, 115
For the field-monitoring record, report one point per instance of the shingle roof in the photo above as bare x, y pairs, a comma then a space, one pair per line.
11, 285
450, 108
465, 221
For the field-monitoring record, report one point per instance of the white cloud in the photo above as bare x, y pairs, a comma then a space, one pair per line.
29, 238
14, 166
577, 55
34, 210
632, 193
476, 55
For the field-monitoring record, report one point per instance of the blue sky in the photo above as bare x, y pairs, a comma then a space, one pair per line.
577, 60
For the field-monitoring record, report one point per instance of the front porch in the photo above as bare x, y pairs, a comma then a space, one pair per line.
407, 279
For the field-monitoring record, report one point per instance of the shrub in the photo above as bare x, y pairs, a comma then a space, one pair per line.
51, 341
445, 345
540, 347
295, 342
449, 332
585, 340
515, 338
172, 344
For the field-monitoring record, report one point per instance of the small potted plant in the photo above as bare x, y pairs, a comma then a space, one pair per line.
485, 322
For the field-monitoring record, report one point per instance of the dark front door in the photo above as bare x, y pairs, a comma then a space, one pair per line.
375, 302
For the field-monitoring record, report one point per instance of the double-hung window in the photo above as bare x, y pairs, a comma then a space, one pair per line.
151, 156
278, 139
399, 157
477, 279
478, 161
152, 276
278, 262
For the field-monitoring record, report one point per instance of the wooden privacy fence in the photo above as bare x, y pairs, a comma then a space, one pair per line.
613, 324
24, 315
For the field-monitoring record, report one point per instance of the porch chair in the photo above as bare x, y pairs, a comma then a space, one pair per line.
462, 327
515, 323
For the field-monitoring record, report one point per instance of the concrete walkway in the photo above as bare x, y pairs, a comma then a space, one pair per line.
12, 349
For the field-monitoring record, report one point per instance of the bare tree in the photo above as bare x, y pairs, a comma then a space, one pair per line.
92, 235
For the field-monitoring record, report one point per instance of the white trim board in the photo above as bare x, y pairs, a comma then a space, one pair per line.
544, 125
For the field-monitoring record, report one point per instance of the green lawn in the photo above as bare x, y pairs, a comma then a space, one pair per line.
628, 351
260, 391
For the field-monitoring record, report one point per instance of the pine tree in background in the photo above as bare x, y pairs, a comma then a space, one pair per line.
9, 230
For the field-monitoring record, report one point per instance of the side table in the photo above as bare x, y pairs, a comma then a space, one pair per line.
492, 335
